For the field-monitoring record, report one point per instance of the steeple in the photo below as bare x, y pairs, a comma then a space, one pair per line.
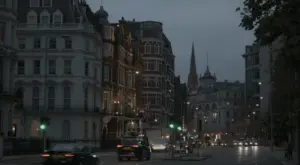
207, 74
192, 77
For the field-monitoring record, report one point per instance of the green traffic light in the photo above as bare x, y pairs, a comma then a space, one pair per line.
171, 125
179, 128
43, 126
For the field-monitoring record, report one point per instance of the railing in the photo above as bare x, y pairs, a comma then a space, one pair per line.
65, 26
60, 109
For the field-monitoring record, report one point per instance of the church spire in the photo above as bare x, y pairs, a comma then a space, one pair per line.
192, 77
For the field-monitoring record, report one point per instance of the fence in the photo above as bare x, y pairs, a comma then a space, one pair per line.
21, 146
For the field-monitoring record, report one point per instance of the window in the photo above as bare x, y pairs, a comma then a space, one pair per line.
35, 98
52, 67
21, 67
22, 43
214, 116
67, 97
67, 67
86, 97
57, 19
47, 3
68, 43
37, 43
51, 98
94, 130
87, 45
121, 76
86, 69
34, 3
2, 32
106, 75
156, 49
52, 43
105, 100
45, 19
147, 49
36, 67
150, 65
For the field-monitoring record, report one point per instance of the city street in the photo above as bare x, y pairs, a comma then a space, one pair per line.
219, 156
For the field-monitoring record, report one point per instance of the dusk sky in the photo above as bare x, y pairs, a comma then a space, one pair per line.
211, 24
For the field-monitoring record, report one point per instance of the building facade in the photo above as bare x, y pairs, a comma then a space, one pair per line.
121, 73
59, 70
8, 57
216, 106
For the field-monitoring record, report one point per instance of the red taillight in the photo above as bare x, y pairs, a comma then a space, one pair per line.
119, 146
135, 146
45, 155
69, 155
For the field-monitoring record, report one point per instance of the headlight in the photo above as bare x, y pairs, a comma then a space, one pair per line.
246, 143
240, 143
250, 143
256, 143
94, 156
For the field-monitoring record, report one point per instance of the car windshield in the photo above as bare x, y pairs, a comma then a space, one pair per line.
131, 141
66, 147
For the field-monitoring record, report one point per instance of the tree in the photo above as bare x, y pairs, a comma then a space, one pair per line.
271, 19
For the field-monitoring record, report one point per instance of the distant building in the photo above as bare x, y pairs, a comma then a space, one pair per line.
8, 95
216, 106
59, 70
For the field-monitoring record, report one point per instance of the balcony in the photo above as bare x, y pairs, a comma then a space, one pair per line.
57, 27
60, 110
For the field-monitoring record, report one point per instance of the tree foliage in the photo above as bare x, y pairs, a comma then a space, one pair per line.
271, 19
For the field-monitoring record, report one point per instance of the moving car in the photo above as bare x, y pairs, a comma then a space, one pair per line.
159, 145
134, 147
70, 154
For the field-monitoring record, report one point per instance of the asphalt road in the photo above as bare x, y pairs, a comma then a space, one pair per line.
219, 156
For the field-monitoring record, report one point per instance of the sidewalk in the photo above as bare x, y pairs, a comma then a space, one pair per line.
279, 155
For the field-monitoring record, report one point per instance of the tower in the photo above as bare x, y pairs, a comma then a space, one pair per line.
192, 83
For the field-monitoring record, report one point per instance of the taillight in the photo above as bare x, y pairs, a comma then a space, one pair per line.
119, 146
135, 146
45, 155
69, 155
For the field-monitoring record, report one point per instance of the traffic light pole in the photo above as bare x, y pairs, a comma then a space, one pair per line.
44, 140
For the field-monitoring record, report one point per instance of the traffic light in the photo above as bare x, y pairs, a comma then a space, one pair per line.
44, 122
171, 126
42, 126
179, 128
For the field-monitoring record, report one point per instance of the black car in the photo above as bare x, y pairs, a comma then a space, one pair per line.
70, 154
134, 147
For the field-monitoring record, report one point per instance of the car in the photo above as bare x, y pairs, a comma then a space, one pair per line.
134, 147
159, 145
70, 154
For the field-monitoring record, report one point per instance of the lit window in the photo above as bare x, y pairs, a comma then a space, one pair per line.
214, 116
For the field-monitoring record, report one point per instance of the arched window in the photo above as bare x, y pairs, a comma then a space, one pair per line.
66, 130
31, 17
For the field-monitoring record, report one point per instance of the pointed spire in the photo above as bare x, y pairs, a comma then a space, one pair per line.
192, 77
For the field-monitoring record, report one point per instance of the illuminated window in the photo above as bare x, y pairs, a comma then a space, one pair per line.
214, 116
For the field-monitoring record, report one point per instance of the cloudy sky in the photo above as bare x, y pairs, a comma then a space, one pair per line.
211, 24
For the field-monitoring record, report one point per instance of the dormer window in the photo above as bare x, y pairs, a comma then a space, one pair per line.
57, 18
34, 3
45, 17
47, 3
32, 17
